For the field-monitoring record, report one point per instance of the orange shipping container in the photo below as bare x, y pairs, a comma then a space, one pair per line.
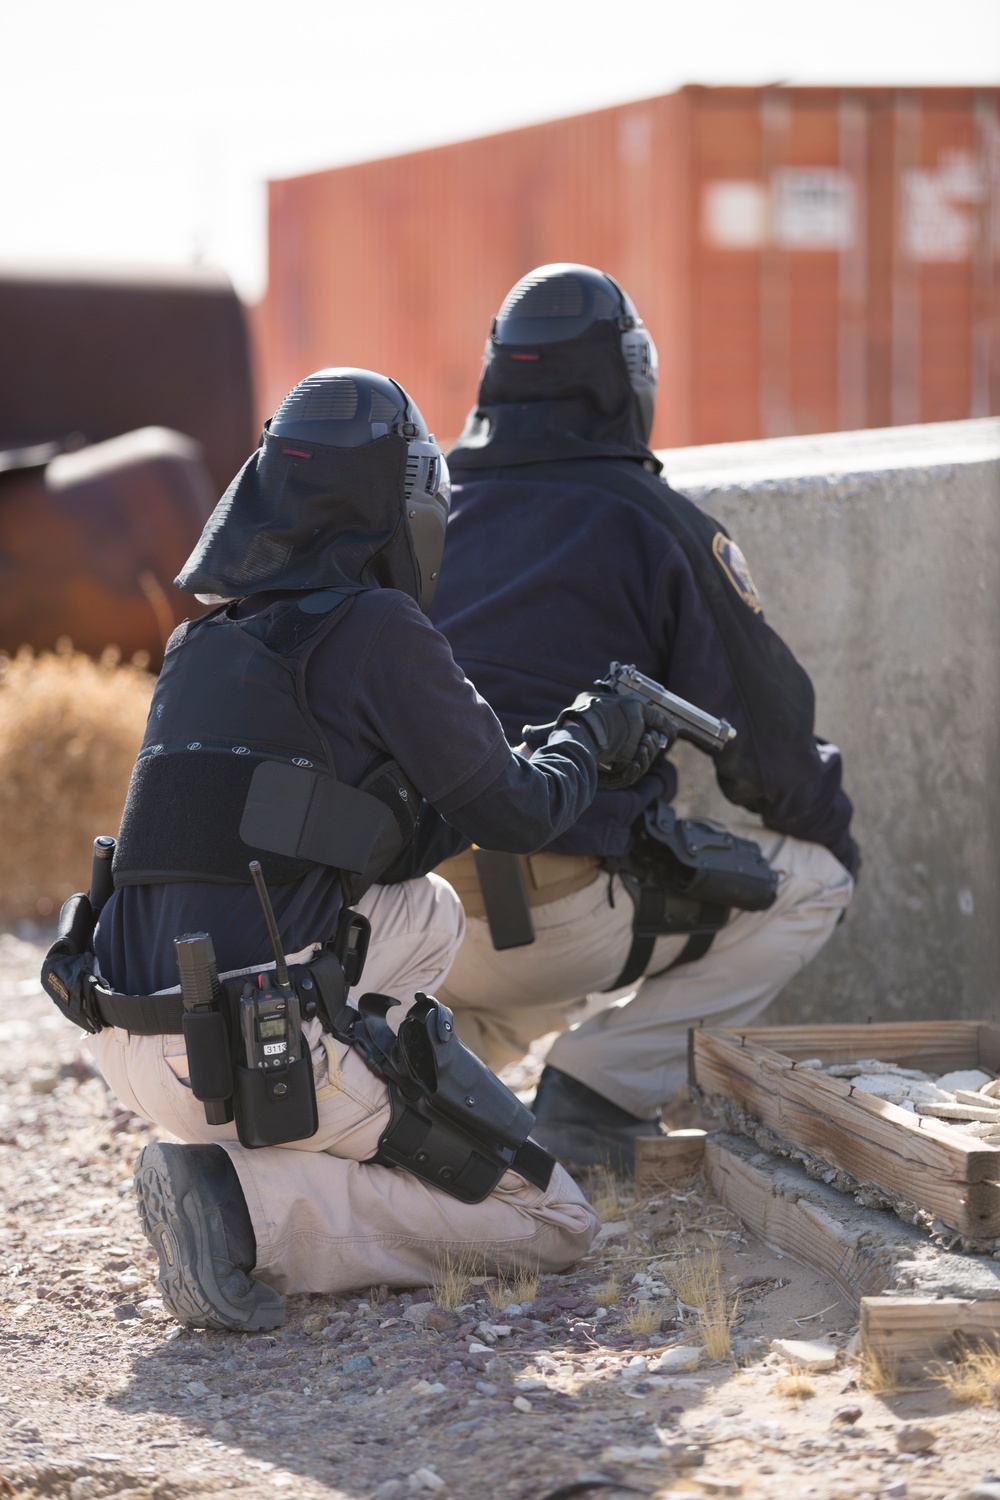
807, 259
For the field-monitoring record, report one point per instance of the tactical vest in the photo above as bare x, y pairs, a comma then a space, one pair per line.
234, 765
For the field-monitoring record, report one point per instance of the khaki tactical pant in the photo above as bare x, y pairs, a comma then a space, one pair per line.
633, 1050
324, 1220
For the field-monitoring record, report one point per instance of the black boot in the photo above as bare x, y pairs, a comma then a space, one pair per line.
193, 1213
583, 1129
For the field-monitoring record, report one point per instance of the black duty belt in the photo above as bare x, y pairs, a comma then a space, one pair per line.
452, 1122
142, 1015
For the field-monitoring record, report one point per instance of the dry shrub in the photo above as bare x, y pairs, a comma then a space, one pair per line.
452, 1286
878, 1372
973, 1377
610, 1196
456, 1270
643, 1317
70, 728
697, 1280
795, 1387
517, 1288
608, 1294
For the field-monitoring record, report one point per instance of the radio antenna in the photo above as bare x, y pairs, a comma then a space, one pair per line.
280, 967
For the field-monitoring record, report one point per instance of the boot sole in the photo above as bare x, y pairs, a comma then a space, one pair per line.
174, 1224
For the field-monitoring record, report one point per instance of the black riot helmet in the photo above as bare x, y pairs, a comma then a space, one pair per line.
347, 487
561, 303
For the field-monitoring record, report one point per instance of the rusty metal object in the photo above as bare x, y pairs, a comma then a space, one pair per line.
91, 541
101, 353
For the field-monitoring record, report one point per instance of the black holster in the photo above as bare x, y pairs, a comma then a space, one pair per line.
684, 875
699, 861
452, 1123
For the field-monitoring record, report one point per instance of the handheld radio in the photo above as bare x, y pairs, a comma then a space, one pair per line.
275, 1094
270, 1018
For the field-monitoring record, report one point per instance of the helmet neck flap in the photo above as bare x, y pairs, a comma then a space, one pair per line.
330, 500
568, 372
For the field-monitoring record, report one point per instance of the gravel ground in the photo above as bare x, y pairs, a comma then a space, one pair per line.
573, 1386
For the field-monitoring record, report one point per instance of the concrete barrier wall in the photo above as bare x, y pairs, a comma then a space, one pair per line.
877, 555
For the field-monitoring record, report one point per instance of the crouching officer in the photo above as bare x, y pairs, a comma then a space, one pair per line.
567, 551
310, 734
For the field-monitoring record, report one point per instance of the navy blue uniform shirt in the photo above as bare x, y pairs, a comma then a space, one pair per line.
545, 583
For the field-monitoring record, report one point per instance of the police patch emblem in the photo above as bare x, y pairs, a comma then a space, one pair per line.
734, 565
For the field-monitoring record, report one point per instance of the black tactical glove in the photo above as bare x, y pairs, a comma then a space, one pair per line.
68, 967
628, 734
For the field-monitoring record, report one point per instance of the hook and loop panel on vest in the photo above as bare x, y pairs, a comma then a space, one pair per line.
227, 809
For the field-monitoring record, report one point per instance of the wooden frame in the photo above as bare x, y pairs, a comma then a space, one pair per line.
909, 1331
664, 1159
909, 1158
861, 1250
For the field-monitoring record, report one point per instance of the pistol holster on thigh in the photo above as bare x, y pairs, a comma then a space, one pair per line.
453, 1123
701, 861
684, 876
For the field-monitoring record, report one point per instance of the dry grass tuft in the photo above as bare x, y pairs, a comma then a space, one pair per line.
973, 1377
643, 1318
878, 1373
697, 1280
609, 1195
70, 728
795, 1387
453, 1284
459, 1270
521, 1287
608, 1294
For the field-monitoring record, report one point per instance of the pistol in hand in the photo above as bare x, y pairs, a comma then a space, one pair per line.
687, 721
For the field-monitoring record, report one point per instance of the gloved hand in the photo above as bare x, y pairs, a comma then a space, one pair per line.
628, 734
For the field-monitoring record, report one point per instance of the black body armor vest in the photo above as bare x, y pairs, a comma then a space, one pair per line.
234, 765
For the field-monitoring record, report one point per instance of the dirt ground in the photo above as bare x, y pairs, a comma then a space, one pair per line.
569, 1387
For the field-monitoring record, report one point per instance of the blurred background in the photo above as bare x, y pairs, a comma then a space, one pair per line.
803, 200
203, 202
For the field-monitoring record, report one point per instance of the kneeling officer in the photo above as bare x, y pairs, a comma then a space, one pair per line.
315, 725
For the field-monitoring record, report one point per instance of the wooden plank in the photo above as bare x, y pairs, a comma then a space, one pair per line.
861, 1250
931, 1045
934, 1046
876, 1142
659, 1161
800, 1224
931, 1143
909, 1331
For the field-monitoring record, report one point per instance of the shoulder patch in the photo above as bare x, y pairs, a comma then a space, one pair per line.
734, 565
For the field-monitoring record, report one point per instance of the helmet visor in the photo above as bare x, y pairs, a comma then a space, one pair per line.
428, 502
